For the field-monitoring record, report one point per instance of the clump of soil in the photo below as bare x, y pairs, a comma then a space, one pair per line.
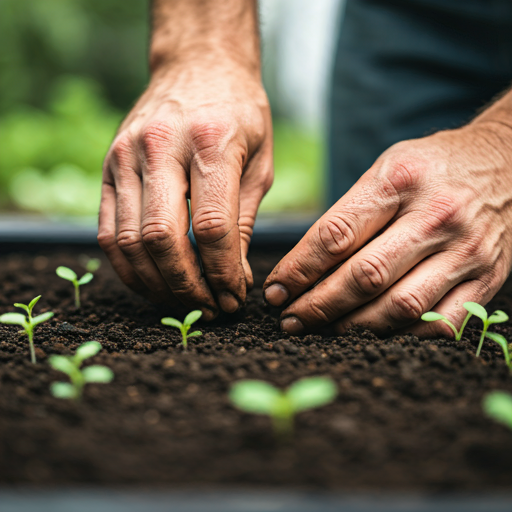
408, 415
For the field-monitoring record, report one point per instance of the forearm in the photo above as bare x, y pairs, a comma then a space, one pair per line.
186, 30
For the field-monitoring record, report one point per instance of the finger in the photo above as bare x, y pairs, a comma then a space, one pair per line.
165, 220
215, 174
367, 207
123, 164
416, 293
256, 182
107, 241
365, 275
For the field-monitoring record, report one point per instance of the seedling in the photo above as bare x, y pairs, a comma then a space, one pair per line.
27, 322
184, 327
90, 264
69, 275
498, 406
70, 365
497, 317
473, 309
260, 397
432, 316
503, 343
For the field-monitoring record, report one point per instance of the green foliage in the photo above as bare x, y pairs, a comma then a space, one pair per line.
28, 322
69, 275
184, 327
502, 342
90, 264
498, 406
479, 311
71, 366
473, 309
260, 397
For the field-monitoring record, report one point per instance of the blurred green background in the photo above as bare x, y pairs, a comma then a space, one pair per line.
69, 71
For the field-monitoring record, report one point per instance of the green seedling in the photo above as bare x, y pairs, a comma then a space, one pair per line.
70, 365
258, 397
503, 343
498, 406
432, 316
90, 264
27, 322
67, 274
184, 327
497, 317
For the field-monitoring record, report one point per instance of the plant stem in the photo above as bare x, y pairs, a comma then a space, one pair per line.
459, 334
77, 295
184, 336
482, 337
30, 334
283, 426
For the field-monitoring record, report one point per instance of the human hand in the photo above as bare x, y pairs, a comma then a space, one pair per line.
427, 227
201, 131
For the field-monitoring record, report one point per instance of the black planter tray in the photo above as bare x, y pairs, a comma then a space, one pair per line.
94, 500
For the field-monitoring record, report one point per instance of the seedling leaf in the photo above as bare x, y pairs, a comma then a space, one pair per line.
13, 319
63, 390
498, 317
66, 273
93, 264
195, 333
172, 322
42, 318
86, 278
97, 373
22, 306
476, 309
62, 364
312, 392
502, 342
88, 349
432, 316
255, 396
498, 406
32, 303
192, 317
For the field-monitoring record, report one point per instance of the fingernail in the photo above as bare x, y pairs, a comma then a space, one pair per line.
228, 302
276, 294
292, 325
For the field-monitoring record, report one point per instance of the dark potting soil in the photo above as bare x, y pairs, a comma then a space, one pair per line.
408, 415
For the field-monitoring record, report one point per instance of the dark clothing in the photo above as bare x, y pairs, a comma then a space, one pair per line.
407, 68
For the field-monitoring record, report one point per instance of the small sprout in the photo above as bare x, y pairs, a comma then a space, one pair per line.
260, 397
69, 275
27, 322
497, 317
498, 406
503, 343
432, 316
184, 327
70, 365
90, 264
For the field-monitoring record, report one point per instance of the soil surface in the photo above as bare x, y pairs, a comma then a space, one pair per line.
408, 414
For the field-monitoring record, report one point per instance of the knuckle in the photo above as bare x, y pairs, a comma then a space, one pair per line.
106, 240
406, 306
369, 275
155, 137
210, 227
207, 135
129, 240
319, 311
444, 213
157, 237
121, 151
298, 275
403, 175
336, 235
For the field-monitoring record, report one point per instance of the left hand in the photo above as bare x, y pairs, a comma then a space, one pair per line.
427, 227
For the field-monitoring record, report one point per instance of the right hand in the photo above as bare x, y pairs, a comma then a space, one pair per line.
202, 132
